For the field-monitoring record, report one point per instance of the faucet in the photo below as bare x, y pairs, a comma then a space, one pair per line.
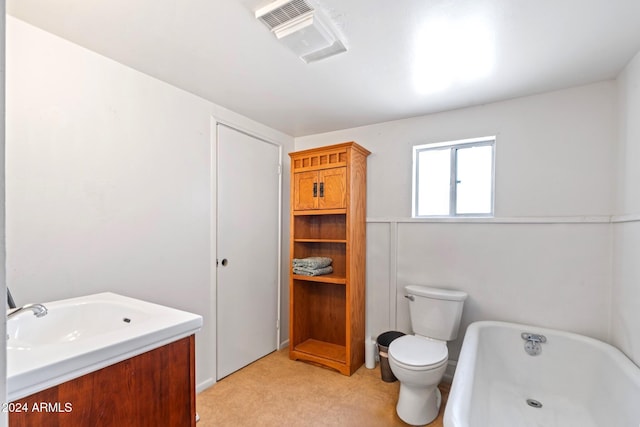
38, 310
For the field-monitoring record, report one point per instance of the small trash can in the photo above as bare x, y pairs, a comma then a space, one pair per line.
384, 341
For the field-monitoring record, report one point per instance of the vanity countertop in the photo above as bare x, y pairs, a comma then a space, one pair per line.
84, 334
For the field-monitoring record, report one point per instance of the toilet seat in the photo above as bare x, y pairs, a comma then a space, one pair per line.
418, 352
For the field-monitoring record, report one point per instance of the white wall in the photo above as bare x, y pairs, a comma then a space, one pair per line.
625, 325
546, 260
553, 152
109, 181
3, 273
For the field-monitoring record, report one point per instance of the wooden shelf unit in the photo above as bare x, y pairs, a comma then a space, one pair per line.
328, 219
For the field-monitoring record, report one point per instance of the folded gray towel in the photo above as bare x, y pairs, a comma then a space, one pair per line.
312, 262
304, 271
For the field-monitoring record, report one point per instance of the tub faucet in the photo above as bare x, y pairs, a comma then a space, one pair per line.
38, 310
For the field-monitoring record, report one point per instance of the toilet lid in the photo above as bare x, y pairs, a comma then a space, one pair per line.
416, 351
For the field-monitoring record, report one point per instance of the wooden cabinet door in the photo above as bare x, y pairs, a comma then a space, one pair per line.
304, 195
333, 191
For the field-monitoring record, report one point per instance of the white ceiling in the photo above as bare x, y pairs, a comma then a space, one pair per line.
484, 50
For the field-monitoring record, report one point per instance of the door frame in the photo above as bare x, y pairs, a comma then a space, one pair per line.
213, 277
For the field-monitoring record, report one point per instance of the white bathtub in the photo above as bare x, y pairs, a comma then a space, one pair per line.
580, 381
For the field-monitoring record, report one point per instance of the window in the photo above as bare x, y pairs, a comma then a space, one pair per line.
454, 178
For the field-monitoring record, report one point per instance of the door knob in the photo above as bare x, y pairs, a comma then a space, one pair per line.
224, 262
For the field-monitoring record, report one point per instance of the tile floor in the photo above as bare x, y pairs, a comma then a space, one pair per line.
276, 391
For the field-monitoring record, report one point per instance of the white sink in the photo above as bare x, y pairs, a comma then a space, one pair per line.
81, 335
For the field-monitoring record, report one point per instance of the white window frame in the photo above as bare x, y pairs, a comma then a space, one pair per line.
453, 146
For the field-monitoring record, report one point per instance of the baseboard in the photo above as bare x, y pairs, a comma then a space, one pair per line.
451, 370
284, 344
205, 385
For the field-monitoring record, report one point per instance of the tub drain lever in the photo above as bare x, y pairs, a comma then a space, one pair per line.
532, 343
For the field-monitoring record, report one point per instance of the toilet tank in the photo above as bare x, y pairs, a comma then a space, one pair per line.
435, 313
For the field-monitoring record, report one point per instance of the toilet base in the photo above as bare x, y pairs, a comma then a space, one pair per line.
415, 408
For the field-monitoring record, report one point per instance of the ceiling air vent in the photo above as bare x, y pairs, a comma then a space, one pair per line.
300, 27
288, 11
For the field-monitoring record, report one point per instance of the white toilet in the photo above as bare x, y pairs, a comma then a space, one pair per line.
419, 361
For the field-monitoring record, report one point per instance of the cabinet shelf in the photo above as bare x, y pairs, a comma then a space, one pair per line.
320, 240
325, 278
315, 212
320, 227
323, 349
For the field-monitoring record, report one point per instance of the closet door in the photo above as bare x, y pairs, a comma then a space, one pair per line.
247, 248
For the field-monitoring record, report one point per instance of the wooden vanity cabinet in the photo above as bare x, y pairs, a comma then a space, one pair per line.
328, 219
156, 388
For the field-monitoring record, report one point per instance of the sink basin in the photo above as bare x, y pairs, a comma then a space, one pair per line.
81, 335
71, 321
